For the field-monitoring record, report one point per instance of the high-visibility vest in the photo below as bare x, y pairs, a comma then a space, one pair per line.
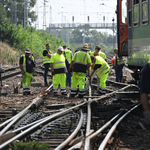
67, 54
24, 62
81, 59
46, 59
104, 66
103, 55
117, 61
58, 63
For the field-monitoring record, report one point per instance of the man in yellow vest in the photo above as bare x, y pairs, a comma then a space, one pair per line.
46, 61
68, 57
101, 68
27, 67
118, 64
145, 90
59, 70
80, 64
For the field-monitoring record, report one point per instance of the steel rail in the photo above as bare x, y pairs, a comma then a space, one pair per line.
64, 144
35, 101
99, 131
111, 131
54, 116
76, 146
88, 127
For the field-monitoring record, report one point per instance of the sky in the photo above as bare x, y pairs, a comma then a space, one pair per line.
62, 11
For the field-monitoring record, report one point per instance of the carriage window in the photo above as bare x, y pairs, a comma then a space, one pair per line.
144, 12
136, 13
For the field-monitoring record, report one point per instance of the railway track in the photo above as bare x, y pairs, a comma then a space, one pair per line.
66, 123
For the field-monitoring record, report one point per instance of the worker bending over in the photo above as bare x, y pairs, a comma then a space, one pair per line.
80, 64
102, 69
59, 70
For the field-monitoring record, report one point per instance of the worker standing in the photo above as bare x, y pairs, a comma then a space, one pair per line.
59, 70
68, 56
145, 90
27, 67
80, 64
119, 62
46, 61
101, 68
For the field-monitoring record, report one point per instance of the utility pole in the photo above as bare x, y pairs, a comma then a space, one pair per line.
113, 33
25, 13
14, 12
37, 21
44, 15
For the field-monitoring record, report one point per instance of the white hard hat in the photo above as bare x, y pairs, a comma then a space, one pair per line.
28, 51
60, 48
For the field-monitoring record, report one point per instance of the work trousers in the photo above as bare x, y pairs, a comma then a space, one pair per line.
119, 73
47, 65
26, 83
102, 83
59, 79
68, 76
78, 78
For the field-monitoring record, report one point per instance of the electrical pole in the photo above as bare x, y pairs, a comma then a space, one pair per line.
113, 33
44, 15
25, 13
14, 12
37, 21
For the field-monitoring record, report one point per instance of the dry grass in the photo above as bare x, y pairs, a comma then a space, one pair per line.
8, 56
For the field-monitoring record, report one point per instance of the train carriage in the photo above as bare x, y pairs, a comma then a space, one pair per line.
134, 34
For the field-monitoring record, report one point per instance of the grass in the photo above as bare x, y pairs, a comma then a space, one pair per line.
8, 56
29, 146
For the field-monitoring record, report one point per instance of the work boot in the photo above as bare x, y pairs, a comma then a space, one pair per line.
147, 117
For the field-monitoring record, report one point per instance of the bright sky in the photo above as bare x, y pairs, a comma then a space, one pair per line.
63, 10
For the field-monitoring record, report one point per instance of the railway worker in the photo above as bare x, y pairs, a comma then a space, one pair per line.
101, 68
46, 61
68, 57
118, 64
145, 90
98, 52
59, 70
27, 67
79, 65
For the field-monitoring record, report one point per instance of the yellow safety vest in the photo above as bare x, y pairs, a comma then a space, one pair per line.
104, 66
58, 63
24, 62
81, 59
118, 61
67, 55
103, 55
46, 59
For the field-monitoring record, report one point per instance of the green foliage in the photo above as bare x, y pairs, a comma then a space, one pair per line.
21, 39
29, 146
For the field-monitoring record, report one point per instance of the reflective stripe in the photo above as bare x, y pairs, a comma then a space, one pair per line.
59, 62
59, 67
84, 58
73, 93
102, 71
74, 89
100, 68
81, 90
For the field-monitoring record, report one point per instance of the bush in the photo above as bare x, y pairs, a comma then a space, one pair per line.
29, 146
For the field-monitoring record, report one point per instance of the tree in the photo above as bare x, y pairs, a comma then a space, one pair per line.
7, 4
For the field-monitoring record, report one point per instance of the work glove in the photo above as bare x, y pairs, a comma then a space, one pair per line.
53, 72
147, 116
